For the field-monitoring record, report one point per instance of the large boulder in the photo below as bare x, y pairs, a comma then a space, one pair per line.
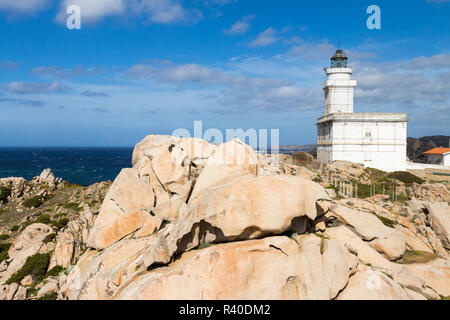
368, 227
370, 284
28, 243
271, 268
99, 275
439, 215
247, 208
231, 160
436, 274
123, 211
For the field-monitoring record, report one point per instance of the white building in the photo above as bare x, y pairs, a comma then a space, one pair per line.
438, 156
376, 140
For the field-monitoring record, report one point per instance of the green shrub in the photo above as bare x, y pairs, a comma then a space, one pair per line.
410, 257
205, 245
4, 236
376, 175
49, 238
72, 206
61, 223
50, 296
406, 177
5, 192
35, 202
4, 247
36, 265
15, 228
318, 179
53, 272
32, 291
59, 215
387, 222
363, 190
3, 211
43, 218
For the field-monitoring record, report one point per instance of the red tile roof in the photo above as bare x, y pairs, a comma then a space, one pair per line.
438, 151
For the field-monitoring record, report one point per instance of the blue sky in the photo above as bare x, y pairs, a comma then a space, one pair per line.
141, 67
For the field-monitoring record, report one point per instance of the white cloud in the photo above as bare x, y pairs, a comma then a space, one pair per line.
240, 27
22, 87
265, 38
152, 11
92, 10
24, 6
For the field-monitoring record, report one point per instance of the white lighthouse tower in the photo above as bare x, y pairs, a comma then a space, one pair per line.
339, 87
376, 140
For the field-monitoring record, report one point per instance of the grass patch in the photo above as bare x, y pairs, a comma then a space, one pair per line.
321, 236
32, 291
55, 271
376, 175
205, 245
43, 218
72, 206
15, 228
387, 222
4, 247
36, 265
445, 298
61, 223
50, 296
3, 211
410, 257
406, 177
318, 179
5, 192
49, 238
4, 236
34, 202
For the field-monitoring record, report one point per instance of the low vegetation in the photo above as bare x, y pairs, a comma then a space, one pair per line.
55, 271
410, 257
406, 177
72, 206
35, 265
4, 236
34, 202
4, 247
387, 222
49, 238
61, 223
50, 296
205, 245
5, 192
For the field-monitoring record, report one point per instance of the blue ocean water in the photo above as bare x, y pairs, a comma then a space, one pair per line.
83, 166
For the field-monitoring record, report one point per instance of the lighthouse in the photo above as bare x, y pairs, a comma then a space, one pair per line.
376, 140
339, 87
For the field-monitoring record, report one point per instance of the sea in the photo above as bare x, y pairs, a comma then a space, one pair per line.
83, 166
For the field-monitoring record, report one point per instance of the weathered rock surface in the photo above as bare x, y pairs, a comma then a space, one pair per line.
372, 285
439, 215
244, 209
27, 244
369, 228
271, 268
126, 205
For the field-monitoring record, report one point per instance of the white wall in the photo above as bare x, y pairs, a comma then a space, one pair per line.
380, 145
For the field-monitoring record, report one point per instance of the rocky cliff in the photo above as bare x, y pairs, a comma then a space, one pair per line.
193, 220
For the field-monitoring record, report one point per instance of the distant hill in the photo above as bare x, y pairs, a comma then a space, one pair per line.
294, 148
417, 146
